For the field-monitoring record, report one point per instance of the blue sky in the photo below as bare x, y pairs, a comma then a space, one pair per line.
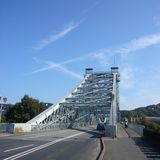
45, 46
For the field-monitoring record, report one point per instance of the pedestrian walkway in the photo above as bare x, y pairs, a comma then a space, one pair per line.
128, 146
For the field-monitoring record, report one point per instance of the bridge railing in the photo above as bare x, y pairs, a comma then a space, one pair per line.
137, 128
3, 127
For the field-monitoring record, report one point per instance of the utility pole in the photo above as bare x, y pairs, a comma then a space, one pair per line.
3, 100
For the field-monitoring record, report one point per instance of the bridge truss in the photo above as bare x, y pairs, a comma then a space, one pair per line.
94, 100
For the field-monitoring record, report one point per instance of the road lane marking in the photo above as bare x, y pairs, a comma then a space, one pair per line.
18, 148
16, 156
36, 136
1, 136
27, 137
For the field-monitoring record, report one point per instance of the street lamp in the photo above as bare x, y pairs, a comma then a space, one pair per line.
3, 100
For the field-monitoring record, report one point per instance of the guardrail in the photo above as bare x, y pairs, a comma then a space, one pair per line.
15, 127
137, 128
3, 127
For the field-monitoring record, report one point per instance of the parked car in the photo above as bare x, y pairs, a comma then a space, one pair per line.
100, 126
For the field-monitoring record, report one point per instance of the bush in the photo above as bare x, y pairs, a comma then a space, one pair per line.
152, 132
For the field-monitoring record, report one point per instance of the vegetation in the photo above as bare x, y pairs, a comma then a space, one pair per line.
133, 115
152, 132
24, 111
140, 113
151, 110
152, 128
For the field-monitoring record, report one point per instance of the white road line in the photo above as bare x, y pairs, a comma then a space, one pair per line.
18, 148
30, 135
1, 136
36, 136
16, 156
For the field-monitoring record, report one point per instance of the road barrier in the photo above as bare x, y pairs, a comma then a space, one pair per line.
15, 127
3, 127
137, 128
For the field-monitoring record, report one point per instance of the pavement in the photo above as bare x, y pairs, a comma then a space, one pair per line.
128, 146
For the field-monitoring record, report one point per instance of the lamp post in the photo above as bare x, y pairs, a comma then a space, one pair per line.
3, 100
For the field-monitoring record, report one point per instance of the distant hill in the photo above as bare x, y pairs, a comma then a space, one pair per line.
150, 111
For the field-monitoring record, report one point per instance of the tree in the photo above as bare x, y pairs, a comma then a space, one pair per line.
25, 110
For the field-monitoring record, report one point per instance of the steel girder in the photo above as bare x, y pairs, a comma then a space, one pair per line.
95, 98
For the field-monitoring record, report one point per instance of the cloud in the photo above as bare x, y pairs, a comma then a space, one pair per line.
92, 6
124, 103
139, 43
59, 67
52, 65
102, 56
55, 37
147, 96
69, 72
63, 69
49, 67
127, 78
144, 87
99, 56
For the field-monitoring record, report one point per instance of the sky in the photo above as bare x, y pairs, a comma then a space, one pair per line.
45, 46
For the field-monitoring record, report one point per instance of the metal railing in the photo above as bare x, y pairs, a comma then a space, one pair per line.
137, 128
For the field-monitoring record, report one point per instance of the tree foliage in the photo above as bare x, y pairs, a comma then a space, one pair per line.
152, 132
25, 110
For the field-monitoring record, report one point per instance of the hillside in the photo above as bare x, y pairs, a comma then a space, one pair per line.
150, 111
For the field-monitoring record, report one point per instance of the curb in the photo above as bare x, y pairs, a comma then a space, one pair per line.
129, 136
102, 150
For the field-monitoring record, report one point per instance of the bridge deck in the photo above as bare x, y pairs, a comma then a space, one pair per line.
132, 147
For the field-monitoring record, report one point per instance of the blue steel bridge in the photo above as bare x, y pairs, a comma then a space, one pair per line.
95, 100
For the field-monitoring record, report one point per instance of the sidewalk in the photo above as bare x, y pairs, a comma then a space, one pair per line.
130, 147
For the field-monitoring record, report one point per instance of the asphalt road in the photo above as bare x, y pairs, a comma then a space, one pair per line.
70, 144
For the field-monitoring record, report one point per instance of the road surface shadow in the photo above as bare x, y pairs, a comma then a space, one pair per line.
148, 149
94, 133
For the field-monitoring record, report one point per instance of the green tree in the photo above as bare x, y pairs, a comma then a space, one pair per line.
25, 110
